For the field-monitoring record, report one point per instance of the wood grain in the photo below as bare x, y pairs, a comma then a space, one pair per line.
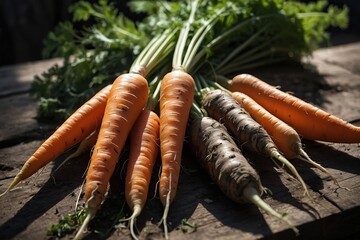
332, 82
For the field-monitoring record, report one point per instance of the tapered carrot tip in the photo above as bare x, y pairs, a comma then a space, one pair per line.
303, 156
253, 196
165, 215
15, 182
136, 212
293, 170
90, 215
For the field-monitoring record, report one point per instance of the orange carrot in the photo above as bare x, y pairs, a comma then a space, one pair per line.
85, 146
176, 97
284, 136
127, 98
144, 144
309, 121
78, 126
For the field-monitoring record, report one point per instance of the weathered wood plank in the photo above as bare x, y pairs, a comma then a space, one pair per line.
17, 78
342, 56
333, 213
19, 117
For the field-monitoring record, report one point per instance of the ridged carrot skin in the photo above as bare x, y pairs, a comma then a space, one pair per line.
176, 97
127, 99
76, 128
309, 121
85, 146
144, 145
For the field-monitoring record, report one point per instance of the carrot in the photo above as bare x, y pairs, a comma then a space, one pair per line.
144, 143
78, 126
177, 92
222, 107
144, 146
284, 136
228, 168
176, 96
127, 99
309, 121
85, 146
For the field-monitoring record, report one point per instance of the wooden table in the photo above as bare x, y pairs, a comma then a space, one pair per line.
330, 79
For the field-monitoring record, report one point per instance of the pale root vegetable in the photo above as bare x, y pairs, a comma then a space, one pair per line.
219, 155
309, 121
77, 127
251, 135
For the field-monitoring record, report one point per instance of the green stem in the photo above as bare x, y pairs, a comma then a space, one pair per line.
205, 86
224, 37
252, 58
311, 14
258, 48
218, 86
151, 53
137, 61
154, 97
197, 40
155, 86
162, 52
154, 53
180, 46
198, 86
242, 47
253, 65
126, 33
195, 112
223, 81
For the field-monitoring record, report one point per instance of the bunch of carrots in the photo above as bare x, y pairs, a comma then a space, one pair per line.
155, 103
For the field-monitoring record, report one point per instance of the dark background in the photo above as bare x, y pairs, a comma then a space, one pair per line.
25, 23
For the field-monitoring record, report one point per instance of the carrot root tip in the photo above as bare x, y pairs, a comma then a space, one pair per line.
268, 191
252, 195
303, 156
90, 215
136, 212
165, 215
18, 178
293, 170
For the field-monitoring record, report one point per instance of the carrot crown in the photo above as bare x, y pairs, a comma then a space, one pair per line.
154, 54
